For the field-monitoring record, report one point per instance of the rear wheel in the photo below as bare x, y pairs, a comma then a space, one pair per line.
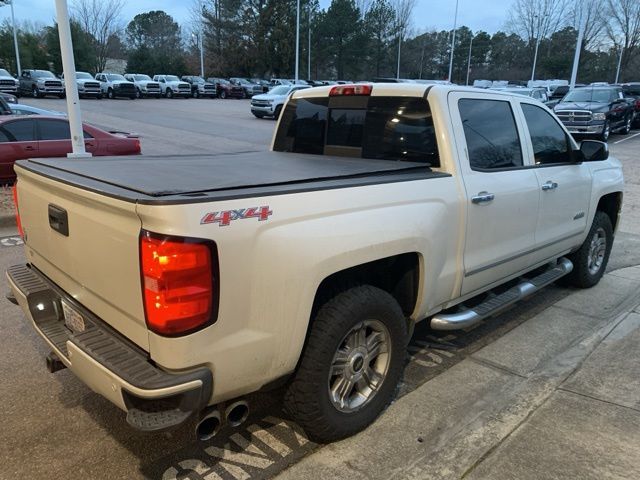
627, 125
351, 364
590, 261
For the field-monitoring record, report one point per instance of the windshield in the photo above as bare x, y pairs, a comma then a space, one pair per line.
84, 75
588, 95
43, 74
114, 76
4, 73
280, 90
171, 78
139, 78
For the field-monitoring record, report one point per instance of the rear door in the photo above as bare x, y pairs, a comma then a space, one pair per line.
17, 142
501, 189
54, 138
565, 186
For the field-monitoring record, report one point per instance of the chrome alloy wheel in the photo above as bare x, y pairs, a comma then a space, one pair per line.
359, 366
597, 250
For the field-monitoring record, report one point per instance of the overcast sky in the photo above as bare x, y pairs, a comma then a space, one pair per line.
488, 15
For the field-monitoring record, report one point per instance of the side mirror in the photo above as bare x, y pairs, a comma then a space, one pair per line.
594, 151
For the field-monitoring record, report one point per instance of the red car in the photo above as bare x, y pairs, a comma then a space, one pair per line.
33, 136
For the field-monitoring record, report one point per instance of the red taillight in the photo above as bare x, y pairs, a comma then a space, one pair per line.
15, 202
137, 146
361, 89
179, 283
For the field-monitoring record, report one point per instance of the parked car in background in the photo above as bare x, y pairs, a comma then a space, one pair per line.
40, 83
225, 89
21, 109
265, 84
114, 85
8, 84
539, 94
87, 85
632, 90
280, 81
9, 98
200, 87
250, 89
145, 86
596, 111
171, 86
36, 136
270, 104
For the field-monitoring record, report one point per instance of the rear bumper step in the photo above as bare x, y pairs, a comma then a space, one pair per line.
494, 305
106, 361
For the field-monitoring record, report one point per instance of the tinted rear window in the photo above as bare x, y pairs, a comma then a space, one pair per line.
388, 128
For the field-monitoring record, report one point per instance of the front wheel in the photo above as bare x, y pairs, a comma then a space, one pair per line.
169, 93
110, 94
223, 94
138, 93
351, 364
590, 261
627, 125
35, 92
196, 94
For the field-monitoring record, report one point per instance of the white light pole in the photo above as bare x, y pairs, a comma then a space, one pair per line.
200, 42
576, 57
453, 41
15, 39
69, 70
469, 60
399, 47
619, 63
535, 55
297, 40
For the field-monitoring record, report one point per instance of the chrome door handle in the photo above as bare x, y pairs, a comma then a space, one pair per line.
483, 197
549, 185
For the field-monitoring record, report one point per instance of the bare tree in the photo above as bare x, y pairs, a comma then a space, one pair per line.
537, 19
100, 19
590, 14
623, 27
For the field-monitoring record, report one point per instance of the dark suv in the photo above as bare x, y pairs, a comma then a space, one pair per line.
632, 90
596, 111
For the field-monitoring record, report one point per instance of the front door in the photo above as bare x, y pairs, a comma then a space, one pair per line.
502, 194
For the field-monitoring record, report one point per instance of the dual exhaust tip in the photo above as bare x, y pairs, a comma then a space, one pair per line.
212, 420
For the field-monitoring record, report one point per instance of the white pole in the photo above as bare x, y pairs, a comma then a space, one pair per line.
619, 63
535, 56
15, 40
297, 40
201, 42
453, 41
69, 69
309, 48
469, 60
576, 57
399, 47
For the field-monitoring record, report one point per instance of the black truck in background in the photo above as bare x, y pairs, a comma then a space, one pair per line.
596, 111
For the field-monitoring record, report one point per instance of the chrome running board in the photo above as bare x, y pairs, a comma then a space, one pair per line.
495, 304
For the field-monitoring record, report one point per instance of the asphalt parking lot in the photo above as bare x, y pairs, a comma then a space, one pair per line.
54, 427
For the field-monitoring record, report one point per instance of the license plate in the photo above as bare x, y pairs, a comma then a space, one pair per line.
72, 319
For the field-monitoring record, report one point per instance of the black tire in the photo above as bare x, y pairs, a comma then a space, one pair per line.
606, 131
168, 93
223, 94
627, 125
583, 275
62, 95
138, 93
308, 398
258, 115
99, 96
159, 96
132, 97
35, 92
196, 94
110, 94
276, 112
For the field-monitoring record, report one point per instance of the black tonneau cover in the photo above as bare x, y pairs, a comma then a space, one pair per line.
160, 179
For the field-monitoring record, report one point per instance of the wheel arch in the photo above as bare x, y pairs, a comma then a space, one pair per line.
611, 204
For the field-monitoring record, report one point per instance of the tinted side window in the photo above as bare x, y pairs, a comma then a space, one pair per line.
4, 137
550, 143
303, 124
491, 134
20, 131
54, 130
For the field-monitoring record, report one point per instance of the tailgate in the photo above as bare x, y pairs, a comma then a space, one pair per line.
97, 263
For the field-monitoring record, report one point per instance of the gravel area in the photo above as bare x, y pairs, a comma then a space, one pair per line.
6, 200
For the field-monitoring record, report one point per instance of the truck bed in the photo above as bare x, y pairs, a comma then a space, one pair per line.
201, 178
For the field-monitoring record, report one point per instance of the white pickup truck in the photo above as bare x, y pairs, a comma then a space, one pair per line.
176, 286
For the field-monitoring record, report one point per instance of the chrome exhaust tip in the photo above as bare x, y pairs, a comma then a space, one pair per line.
236, 413
209, 426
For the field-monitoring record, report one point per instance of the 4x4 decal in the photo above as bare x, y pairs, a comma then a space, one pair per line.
225, 218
